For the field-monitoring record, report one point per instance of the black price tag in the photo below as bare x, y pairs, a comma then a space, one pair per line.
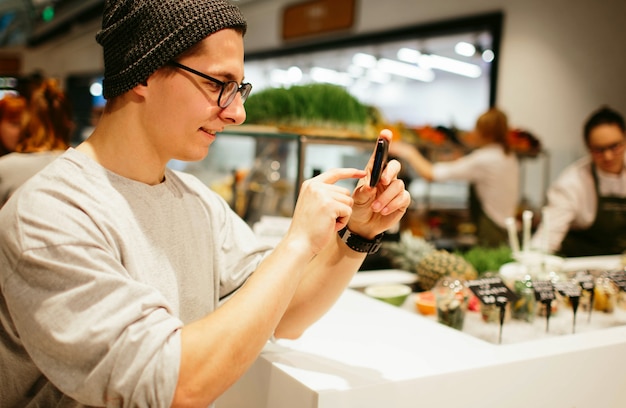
492, 291
619, 277
569, 289
586, 280
544, 290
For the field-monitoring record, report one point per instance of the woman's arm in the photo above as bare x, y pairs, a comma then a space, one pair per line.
413, 157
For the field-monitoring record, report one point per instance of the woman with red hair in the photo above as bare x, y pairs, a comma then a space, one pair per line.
491, 168
46, 134
12, 108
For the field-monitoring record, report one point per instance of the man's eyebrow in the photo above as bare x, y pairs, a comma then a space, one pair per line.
228, 76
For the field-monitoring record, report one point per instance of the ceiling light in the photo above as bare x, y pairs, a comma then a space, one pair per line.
488, 55
432, 61
405, 70
330, 76
450, 65
409, 55
356, 71
279, 76
95, 89
364, 60
465, 49
294, 74
287, 77
380, 77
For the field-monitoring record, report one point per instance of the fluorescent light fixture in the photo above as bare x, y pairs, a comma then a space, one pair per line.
364, 60
378, 76
450, 65
409, 55
279, 76
356, 71
294, 74
406, 70
289, 76
432, 61
465, 49
330, 76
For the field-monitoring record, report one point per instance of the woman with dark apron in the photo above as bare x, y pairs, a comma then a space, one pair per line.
586, 211
607, 234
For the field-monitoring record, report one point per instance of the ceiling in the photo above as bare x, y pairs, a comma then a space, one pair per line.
33, 22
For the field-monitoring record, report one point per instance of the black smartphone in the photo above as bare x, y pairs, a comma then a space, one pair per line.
380, 160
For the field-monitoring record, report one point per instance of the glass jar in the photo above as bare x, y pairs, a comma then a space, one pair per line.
553, 274
451, 297
491, 312
524, 308
605, 296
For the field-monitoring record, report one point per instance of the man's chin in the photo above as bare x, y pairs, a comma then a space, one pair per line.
614, 169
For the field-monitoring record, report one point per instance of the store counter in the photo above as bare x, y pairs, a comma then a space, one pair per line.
365, 353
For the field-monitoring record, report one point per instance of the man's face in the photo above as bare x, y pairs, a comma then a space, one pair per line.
182, 112
606, 145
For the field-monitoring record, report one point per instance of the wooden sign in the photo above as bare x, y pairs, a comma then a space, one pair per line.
317, 17
10, 65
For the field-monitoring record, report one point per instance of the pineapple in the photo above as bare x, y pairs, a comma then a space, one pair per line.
429, 263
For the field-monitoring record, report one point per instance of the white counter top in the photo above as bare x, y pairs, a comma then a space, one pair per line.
365, 353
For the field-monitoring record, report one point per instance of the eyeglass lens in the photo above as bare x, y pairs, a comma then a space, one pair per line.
610, 148
229, 91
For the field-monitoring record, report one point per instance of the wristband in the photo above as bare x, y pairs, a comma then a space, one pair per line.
360, 244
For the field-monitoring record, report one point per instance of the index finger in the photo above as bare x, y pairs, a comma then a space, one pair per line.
334, 175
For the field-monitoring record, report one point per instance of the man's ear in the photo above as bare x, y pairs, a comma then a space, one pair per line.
141, 88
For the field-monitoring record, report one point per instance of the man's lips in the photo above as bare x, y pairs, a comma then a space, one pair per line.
209, 132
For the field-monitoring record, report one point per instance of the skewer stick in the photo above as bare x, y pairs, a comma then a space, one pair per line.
527, 217
512, 230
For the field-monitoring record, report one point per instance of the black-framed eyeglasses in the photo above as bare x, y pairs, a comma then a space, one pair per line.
600, 150
228, 89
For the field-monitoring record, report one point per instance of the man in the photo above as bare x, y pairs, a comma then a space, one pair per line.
112, 265
586, 212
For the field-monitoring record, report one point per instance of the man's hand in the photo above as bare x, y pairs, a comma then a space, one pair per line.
322, 209
376, 209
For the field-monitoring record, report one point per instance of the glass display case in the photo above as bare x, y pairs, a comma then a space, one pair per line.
259, 172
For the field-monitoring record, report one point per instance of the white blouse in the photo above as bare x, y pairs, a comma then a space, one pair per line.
572, 201
495, 176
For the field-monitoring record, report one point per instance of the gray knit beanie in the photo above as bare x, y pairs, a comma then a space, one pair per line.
140, 36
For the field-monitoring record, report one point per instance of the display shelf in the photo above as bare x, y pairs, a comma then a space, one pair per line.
365, 353
562, 320
561, 323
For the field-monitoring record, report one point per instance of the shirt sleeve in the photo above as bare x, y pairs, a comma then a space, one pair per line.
101, 337
466, 168
571, 204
